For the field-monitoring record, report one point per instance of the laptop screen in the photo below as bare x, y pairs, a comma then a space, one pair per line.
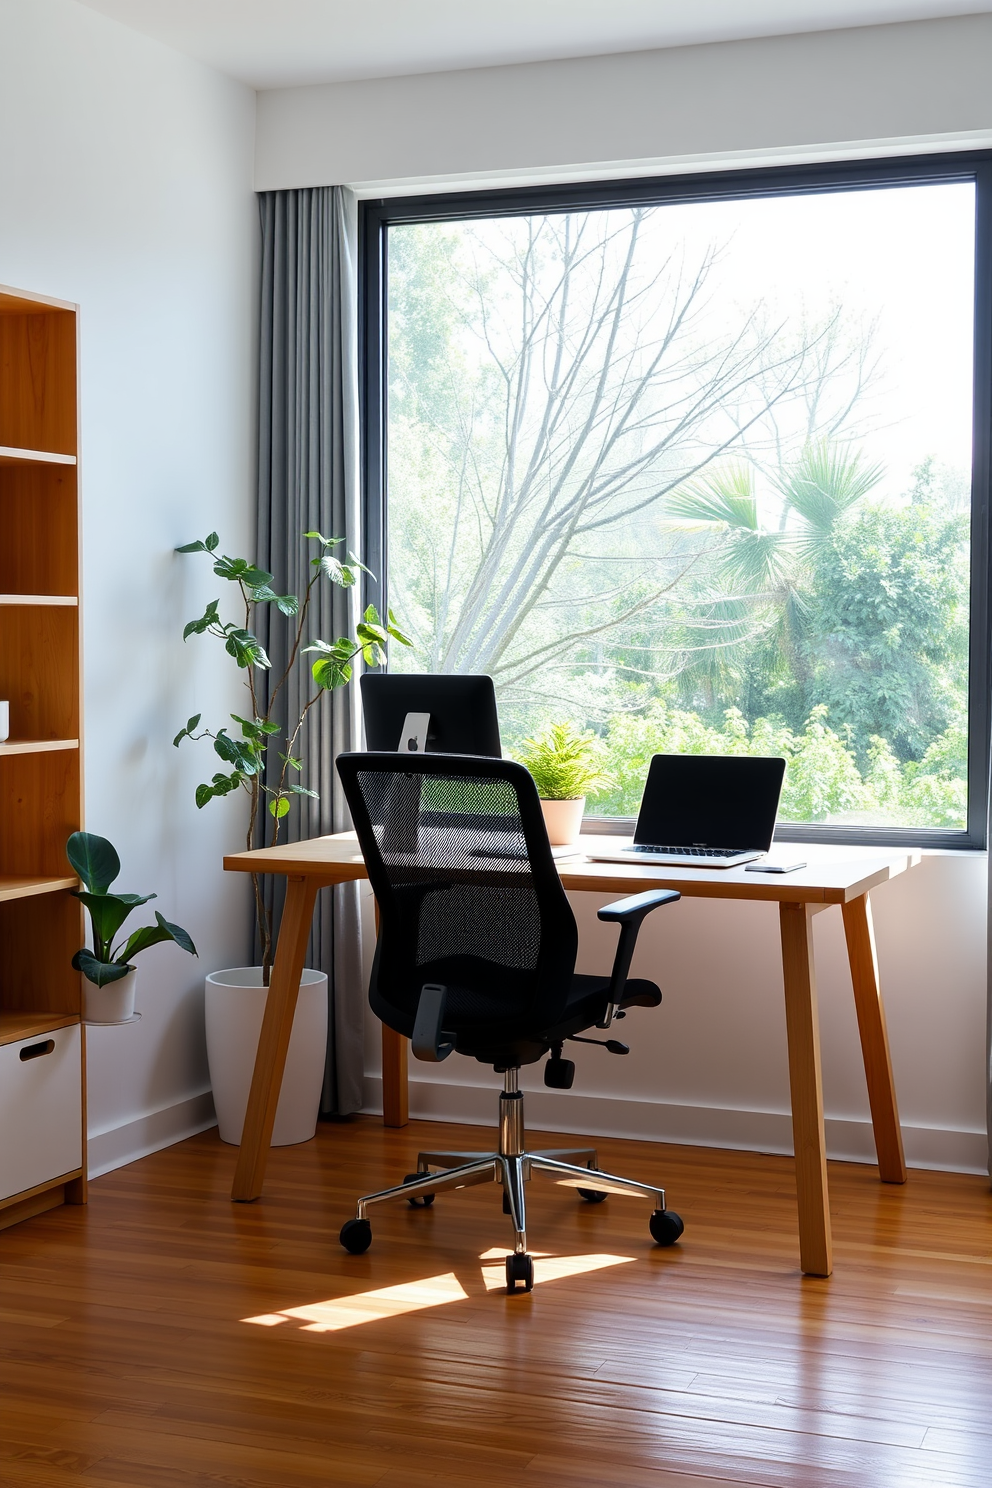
700, 800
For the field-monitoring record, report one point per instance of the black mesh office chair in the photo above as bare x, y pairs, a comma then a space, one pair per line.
476, 955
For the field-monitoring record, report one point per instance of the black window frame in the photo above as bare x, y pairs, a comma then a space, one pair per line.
378, 215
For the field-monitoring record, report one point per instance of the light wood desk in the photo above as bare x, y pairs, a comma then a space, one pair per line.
833, 875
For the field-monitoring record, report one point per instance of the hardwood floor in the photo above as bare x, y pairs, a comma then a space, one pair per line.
126, 1357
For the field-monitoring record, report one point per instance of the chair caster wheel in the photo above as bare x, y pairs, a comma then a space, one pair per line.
419, 1201
356, 1236
519, 1268
592, 1195
666, 1226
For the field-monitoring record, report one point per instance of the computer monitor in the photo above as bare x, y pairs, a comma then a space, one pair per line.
425, 711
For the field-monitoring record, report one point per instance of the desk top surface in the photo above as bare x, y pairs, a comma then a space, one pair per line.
832, 875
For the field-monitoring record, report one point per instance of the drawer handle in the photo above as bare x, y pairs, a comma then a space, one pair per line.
35, 1051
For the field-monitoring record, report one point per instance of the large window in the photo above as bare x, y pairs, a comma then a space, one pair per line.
701, 466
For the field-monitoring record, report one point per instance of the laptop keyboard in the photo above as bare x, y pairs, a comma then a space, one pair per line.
689, 852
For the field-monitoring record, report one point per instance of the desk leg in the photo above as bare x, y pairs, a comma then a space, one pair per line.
273, 1041
395, 1097
395, 1084
874, 1040
803, 1031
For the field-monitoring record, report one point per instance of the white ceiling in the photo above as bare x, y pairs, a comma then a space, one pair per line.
280, 43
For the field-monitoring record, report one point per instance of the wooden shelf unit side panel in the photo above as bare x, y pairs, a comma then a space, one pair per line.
39, 670
41, 807
38, 939
38, 379
38, 536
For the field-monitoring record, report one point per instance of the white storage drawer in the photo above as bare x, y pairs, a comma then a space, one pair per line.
41, 1125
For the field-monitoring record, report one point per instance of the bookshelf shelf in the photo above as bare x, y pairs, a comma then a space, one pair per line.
11, 455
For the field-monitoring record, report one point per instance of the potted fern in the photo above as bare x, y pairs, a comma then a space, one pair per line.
565, 764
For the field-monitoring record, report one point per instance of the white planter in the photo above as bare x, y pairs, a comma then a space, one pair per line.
113, 1003
563, 820
234, 1004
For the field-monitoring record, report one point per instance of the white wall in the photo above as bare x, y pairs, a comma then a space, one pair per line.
710, 1066
827, 93
126, 185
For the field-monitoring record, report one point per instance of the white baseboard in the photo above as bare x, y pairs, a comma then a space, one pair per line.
691, 1126
117, 1145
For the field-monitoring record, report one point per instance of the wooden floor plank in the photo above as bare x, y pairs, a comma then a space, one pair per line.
126, 1357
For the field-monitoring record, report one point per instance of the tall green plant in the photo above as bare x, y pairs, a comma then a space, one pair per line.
243, 752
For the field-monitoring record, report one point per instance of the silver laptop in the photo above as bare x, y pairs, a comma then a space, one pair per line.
704, 811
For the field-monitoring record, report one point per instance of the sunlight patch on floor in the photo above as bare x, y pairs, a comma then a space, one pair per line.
368, 1307
435, 1291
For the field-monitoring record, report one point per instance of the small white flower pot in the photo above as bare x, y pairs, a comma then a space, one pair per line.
563, 820
113, 1003
234, 1004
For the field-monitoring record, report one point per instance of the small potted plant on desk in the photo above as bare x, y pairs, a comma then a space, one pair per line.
564, 762
110, 977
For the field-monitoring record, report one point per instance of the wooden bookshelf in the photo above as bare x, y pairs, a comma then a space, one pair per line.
41, 1035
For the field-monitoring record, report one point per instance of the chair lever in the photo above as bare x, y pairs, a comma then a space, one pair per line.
429, 1043
613, 1045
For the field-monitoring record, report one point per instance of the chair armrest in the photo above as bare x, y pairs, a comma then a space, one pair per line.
633, 909
629, 914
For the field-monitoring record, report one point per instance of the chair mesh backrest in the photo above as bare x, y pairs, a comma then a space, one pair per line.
467, 889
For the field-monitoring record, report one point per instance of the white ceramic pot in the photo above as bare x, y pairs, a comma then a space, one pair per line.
113, 1003
563, 820
234, 1004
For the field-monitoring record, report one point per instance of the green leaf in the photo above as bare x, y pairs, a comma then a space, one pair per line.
288, 604
211, 542
396, 633
185, 733
109, 911
208, 618
246, 650
221, 785
342, 650
267, 727
193, 547
325, 542
301, 790
243, 754
292, 761
94, 859
100, 972
367, 633
150, 935
330, 674
279, 807
339, 573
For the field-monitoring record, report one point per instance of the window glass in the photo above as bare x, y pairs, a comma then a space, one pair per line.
696, 477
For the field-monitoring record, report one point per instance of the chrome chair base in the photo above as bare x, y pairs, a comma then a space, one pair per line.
512, 1166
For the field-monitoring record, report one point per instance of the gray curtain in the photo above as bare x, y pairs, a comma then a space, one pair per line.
308, 480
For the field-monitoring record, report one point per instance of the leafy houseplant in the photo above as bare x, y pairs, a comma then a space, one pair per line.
243, 753
96, 862
564, 762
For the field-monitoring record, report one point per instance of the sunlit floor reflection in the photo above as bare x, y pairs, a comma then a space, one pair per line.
434, 1291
